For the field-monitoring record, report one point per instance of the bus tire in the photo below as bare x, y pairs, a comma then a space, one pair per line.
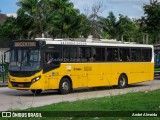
36, 92
122, 81
65, 86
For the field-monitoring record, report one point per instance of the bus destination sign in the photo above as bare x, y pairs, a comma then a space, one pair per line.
25, 44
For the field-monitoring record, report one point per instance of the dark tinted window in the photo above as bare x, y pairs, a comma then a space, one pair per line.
100, 54
84, 54
124, 54
51, 57
112, 54
69, 54
136, 54
146, 54
66, 53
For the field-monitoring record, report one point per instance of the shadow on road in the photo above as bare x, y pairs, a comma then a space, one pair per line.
55, 92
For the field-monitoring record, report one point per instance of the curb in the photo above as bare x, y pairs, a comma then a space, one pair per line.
5, 84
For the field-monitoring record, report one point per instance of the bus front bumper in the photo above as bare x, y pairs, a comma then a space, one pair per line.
24, 85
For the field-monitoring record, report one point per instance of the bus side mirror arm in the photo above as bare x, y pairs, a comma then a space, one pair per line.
5, 56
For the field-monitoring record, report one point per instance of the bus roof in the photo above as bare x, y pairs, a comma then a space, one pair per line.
98, 42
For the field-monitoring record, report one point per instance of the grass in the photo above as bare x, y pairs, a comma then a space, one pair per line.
156, 69
140, 101
129, 102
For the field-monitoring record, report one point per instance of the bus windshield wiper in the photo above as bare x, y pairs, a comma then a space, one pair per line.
22, 61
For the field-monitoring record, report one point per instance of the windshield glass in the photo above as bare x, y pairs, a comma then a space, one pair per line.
25, 60
157, 59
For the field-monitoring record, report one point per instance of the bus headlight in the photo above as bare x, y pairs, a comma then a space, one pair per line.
35, 79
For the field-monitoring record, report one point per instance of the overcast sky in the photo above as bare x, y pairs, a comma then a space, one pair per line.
131, 8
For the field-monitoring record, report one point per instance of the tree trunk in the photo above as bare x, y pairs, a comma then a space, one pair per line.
122, 36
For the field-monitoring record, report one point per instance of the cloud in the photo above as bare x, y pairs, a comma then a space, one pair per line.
125, 7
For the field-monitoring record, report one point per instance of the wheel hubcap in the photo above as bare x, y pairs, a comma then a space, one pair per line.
65, 86
122, 81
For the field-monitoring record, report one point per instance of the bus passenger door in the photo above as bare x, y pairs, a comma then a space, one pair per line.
50, 81
50, 65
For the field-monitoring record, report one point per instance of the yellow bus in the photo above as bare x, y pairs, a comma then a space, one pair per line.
64, 65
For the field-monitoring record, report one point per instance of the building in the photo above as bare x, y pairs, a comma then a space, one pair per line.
3, 17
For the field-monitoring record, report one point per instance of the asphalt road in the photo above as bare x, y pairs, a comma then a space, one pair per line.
15, 99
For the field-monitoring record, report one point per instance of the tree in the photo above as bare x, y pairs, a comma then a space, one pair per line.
34, 10
8, 31
56, 18
94, 18
152, 19
109, 25
85, 26
119, 29
25, 25
126, 27
65, 19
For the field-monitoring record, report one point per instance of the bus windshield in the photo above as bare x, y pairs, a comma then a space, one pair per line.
157, 59
25, 60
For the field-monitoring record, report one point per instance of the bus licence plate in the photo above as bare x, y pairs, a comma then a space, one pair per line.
20, 85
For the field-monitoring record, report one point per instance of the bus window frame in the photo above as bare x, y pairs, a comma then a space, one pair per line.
54, 64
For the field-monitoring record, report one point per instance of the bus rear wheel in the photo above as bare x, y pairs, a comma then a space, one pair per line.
122, 81
36, 91
65, 86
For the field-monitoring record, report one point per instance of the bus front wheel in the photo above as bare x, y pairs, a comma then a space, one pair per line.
122, 81
65, 86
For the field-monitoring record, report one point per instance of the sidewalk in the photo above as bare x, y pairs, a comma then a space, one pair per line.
3, 84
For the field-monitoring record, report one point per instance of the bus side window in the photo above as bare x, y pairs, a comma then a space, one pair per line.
146, 54
93, 58
115, 54
84, 54
136, 54
81, 54
66, 55
87, 53
73, 54
124, 54
51, 58
100, 54
109, 54
93, 55
70, 54
46, 57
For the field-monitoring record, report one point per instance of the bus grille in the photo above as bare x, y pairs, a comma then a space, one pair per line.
21, 84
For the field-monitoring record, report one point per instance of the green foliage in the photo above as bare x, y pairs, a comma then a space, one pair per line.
109, 25
56, 18
59, 19
123, 29
152, 19
8, 31
130, 102
51, 18
141, 101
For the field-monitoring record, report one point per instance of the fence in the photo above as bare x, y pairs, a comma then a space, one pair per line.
3, 66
